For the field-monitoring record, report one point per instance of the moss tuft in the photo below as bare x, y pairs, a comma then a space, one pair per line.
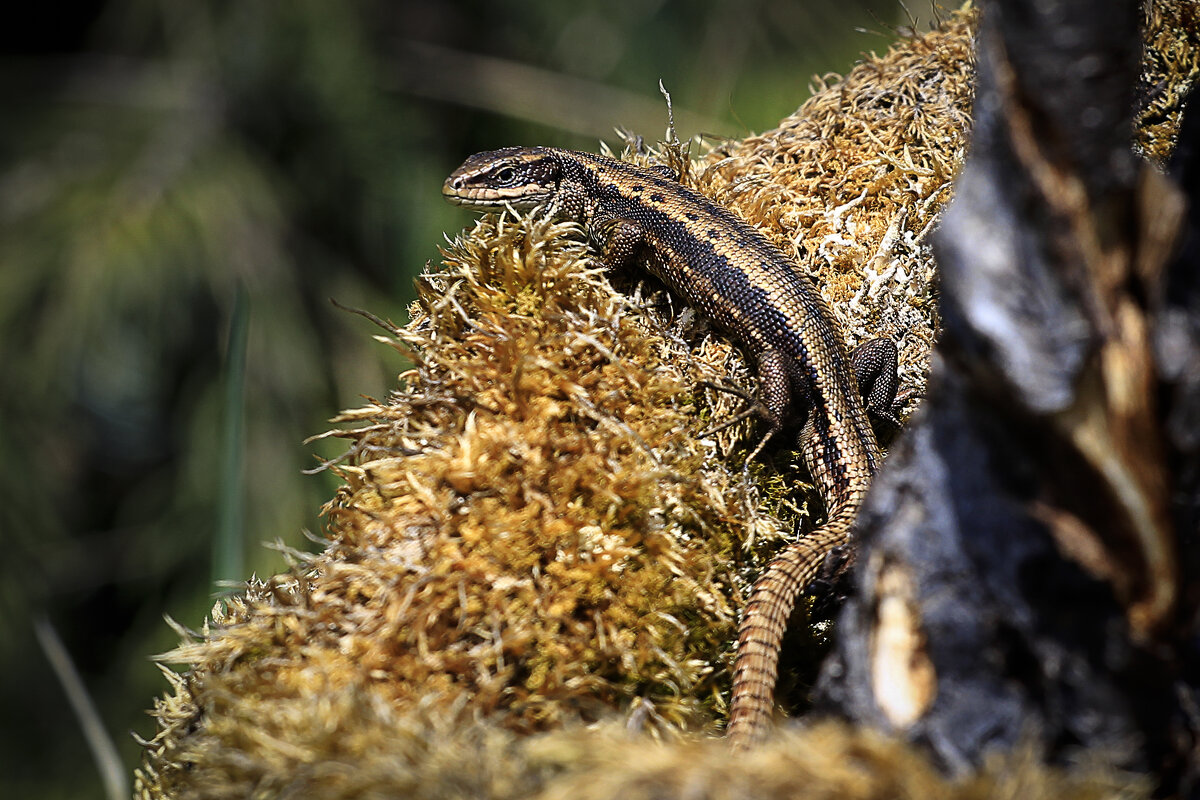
1170, 67
854, 181
531, 526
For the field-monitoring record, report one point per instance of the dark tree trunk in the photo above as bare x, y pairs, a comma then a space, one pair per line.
1028, 569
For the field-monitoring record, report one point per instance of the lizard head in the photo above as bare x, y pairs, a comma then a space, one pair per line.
521, 177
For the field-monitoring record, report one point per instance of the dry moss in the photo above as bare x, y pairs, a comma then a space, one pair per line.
853, 183
531, 527
827, 761
549, 542
351, 745
533, 535
1170, 66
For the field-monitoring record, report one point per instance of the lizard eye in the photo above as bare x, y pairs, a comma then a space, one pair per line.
505, 175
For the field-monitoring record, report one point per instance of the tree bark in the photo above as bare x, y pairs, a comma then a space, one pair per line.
1027, 572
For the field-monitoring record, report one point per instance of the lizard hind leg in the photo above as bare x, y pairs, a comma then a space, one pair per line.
775, 395
773, 404
875, 364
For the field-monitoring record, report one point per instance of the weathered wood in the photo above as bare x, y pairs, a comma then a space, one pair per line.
1027, 571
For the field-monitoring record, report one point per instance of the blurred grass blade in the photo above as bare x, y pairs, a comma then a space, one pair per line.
104, 750
229, 549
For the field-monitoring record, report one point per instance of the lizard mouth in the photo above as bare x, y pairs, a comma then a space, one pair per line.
491, 197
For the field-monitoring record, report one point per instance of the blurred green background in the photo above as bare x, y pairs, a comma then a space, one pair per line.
183, 186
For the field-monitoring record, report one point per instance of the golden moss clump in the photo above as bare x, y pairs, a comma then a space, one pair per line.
549, 543
534, 537
854, 181
531, 526
352, 746
825, 761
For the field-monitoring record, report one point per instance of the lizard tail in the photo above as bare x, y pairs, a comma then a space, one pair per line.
764, 621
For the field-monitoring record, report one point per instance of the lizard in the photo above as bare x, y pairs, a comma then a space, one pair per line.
731, 272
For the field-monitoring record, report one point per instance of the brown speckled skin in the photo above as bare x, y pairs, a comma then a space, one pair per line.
730, 271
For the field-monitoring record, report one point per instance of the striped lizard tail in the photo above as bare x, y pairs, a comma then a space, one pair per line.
764, 621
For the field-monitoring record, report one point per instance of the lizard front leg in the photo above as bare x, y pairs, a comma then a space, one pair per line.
621, 243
